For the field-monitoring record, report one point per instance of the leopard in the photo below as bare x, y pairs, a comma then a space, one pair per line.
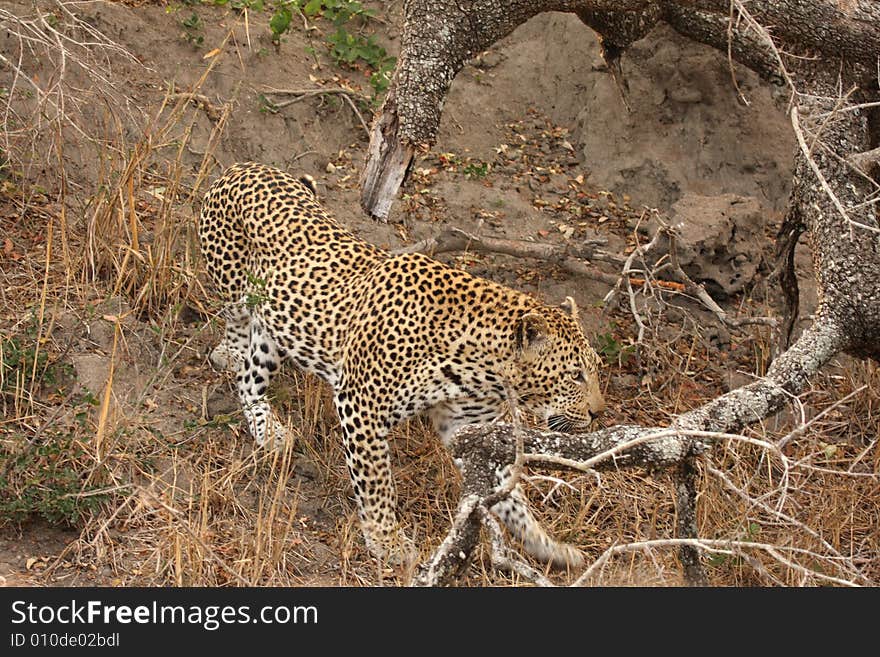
394, 335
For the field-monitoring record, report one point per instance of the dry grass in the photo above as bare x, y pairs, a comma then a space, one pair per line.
166, 491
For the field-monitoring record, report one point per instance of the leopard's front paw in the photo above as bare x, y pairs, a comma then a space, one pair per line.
394, 547
225, 358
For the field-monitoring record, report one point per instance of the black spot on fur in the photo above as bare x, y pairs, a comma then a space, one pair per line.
450, 374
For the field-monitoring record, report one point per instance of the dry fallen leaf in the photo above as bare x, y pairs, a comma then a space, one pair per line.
211, 53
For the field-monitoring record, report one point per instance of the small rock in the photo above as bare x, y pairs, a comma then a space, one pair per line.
720, 240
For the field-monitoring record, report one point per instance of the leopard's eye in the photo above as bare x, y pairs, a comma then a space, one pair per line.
579, 376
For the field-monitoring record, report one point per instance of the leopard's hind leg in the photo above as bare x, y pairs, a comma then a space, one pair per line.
229, 354
255, 373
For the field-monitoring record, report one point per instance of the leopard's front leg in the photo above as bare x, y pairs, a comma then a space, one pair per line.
514, 511
368, 458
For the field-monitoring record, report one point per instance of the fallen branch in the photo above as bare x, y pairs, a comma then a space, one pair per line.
484, 452
569, 258
301, 94
572, 260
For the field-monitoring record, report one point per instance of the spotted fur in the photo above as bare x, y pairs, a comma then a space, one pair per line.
394, 335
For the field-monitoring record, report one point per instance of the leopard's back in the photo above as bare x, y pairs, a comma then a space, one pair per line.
270, 245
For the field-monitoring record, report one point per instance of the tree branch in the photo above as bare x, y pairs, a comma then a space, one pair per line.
481, 452
569, 258
440, 36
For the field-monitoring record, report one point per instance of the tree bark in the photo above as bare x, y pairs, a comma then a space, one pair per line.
686, 521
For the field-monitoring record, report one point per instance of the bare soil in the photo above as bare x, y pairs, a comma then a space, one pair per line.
538, 142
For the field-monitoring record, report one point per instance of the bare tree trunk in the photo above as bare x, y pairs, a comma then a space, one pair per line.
830, 195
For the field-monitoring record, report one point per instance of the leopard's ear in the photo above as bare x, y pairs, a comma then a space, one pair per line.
309, 182
531, 332
569, 307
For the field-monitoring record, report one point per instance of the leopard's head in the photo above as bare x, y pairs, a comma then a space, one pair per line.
557, 371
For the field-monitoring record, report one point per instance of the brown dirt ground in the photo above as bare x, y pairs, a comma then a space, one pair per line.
535, 144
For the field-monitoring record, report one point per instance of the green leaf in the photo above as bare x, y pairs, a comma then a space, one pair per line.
312, 8
280, 23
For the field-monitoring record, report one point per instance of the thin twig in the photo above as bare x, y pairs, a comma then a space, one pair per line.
718, 547
644, 252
